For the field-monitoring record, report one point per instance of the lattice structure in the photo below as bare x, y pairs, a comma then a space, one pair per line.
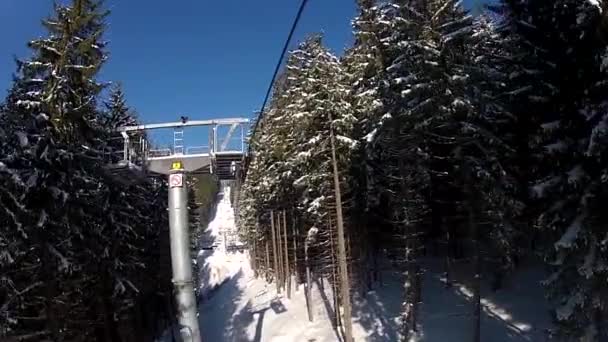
222, 155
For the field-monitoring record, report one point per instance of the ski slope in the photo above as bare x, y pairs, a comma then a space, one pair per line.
238, 307
235, 306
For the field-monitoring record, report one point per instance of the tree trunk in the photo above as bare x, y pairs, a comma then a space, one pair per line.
274, 253
412, 278
50, 279
448, 260
345, 286
267, 270
295, 249
377, 275
307, 289
253, 253
108, 310
280, 251
471, 208
286, 253
334, 280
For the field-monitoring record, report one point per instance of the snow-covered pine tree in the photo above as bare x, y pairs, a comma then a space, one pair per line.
565, 52
51, 104
131, 233
440, 120
116, 114
322, 103
364, 68
54, 183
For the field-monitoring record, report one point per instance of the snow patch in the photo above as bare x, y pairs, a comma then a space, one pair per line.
571, 233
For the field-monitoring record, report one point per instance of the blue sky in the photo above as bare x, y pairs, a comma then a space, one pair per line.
198, 58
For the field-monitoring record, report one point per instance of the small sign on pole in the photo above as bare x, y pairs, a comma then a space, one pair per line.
177, 165
176, 180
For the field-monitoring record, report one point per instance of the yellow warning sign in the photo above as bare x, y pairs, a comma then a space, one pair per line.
177, 165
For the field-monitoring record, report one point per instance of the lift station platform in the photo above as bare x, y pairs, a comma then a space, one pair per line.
222, 155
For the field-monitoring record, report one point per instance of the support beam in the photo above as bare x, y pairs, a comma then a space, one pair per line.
125, 152
182, 124
228, 136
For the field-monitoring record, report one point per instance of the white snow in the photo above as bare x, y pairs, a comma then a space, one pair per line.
519, 312
370, 136
597, 4
347, 141
217, 265
571, 233
28, 104
550, 126
311, 236
587, 268
558, 146
575, 174
23, 141
539, 189
565, 311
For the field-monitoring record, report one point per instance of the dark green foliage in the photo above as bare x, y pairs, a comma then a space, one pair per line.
480, 138
561, 81
80, 248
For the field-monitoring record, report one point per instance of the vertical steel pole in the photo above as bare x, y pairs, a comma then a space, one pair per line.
242, 138
125, 151
215, 138
180, 258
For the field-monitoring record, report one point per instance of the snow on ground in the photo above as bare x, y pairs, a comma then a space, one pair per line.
517, 313
244, 308
216, 263
236, 306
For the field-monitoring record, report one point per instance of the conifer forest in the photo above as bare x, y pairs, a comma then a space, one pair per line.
446, 151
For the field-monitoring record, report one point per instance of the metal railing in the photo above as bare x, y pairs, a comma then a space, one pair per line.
163, 152
197, 150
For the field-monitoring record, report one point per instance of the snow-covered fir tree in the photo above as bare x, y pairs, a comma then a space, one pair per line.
70, 227
560, 74
438, 139
364, 69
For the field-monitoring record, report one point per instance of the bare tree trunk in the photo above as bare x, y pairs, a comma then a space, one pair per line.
410, 310
225, 243
281, 276
50, 292
274, 252
286, 250
307, 290
253, 253
345, 286
295, 249
448, 260
471, 208
267, 270
334, 280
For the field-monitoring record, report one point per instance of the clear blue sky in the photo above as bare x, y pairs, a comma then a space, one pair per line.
199, 58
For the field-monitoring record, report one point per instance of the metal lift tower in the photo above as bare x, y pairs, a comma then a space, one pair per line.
220, 159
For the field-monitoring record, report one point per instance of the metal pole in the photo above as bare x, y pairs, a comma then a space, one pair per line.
242, 139
180, 258
125, 152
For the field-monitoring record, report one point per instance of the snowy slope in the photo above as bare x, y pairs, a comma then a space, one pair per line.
216, 264
244, 308
235, 306
516, 314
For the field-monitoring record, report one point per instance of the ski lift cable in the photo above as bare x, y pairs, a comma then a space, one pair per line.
278, 66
